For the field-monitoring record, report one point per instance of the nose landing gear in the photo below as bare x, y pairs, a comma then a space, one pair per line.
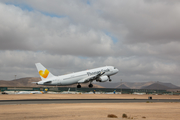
109, 79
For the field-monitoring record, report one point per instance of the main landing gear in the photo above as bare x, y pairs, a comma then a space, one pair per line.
78, 86
90, 85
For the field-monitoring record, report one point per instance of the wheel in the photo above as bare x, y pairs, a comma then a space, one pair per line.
109, 79
90, 85
78, 86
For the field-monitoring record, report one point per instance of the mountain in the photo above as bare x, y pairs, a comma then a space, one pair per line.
139, 85
123, 86
130, 85
170, 85
157, 86
22, 82
107, 84
27, 82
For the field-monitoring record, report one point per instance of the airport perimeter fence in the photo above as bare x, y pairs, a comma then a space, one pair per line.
84, 90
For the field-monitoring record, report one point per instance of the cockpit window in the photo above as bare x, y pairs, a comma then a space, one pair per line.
115, 68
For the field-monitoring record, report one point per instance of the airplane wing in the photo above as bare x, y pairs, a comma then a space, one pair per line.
48, 82
90, 78
42, 82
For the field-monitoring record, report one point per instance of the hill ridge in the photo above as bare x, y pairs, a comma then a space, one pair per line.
27, 82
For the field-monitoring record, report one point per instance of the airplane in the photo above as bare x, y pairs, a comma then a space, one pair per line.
30, 92
101, 74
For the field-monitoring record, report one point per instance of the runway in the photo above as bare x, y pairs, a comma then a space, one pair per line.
53, 101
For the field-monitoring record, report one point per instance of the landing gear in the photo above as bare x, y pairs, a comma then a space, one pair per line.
90, 85
78, 86
109, 79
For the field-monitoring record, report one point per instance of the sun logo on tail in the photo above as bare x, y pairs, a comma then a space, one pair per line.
44, 74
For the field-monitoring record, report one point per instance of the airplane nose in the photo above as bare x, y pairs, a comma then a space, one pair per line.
116, 70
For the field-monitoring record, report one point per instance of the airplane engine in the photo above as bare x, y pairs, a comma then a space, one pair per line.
103, 79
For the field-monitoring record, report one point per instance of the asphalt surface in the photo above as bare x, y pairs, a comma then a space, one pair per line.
52, 101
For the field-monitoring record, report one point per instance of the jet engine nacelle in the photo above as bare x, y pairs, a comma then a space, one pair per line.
103, 79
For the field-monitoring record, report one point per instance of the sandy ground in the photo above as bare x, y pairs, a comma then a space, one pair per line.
85, 96
91, 111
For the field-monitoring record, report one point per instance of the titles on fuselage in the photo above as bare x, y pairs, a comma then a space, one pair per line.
97, 72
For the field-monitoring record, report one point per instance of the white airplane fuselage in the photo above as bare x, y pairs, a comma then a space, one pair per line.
80, 77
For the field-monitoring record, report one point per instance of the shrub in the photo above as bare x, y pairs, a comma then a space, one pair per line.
124, 116
112, 116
